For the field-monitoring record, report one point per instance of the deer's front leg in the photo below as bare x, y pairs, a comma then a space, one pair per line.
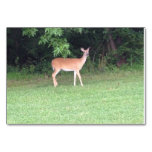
75, 79
78, 73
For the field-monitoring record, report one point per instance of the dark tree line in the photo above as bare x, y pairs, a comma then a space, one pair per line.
36, 47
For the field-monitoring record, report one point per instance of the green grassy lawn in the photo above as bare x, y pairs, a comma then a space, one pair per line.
106, 98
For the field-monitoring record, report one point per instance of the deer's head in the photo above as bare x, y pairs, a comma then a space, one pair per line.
85, 52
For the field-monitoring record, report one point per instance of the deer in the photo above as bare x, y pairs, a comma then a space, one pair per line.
69, 64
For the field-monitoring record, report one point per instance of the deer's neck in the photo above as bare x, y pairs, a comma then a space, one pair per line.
83, 59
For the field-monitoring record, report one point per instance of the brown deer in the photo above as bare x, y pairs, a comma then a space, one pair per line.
69, 64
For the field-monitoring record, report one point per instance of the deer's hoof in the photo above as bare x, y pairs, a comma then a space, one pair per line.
55, 85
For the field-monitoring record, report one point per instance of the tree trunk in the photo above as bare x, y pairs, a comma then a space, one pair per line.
111, 41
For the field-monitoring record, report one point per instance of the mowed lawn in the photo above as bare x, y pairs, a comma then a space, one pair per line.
106, 98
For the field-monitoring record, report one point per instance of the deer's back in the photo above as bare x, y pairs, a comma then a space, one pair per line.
67, 63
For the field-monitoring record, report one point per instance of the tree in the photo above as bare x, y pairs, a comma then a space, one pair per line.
53, 37
38, 46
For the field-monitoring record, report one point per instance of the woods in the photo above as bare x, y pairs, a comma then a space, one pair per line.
32, 49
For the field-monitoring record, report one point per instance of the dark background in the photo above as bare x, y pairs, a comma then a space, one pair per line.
34, 48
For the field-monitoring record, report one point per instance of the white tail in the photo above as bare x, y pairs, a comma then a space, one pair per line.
69, 64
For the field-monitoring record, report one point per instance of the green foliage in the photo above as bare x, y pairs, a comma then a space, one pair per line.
11, 69
17, 60
53, 38
111, 68
61, 47
43, 67
50, 33
111, 57
31, 68
30, 32
130, 46
77, 30
33, 46
132, 55
54, 31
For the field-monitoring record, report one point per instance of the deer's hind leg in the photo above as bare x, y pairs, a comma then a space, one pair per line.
56, 71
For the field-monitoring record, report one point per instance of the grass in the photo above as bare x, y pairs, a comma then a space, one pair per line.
106, 98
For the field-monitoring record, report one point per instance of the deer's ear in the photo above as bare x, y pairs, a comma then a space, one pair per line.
88, 48
82, 49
